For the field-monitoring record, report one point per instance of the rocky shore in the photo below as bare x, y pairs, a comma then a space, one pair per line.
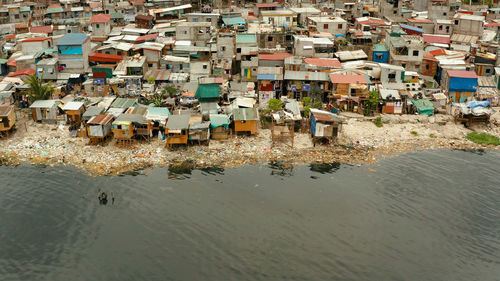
360, 142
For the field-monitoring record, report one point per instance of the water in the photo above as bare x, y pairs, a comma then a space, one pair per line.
421, 216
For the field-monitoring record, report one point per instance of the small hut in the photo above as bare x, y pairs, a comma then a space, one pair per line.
7, 119
245, 120
324, 125
124, 128
220, 126
99, 128
45, 111
92, 112
74, 111
157, 115
177, 129
199, 131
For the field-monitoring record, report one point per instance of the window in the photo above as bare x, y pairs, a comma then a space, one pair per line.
445, 14
223, 48
395, 12
209, 19
325, 26
185, 32
447, 29
440, 27
150, 65
392, 77
269, 38
288, 19
415, 53
205, 66
238, 50
456, 22
379, 56
427, 67
97, 25
195, 19
488, 70
340, 26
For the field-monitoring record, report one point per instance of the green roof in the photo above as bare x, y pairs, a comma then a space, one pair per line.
24, 9
404, 11
54, 10
424, 106
207, 91
116, 16
233, 20
380, 48
3, 61
246, 38
217, 120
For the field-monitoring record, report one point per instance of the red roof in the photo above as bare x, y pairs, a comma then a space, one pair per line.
441, 39
492, 24
145, 38
36, 39
266, 5
98, 39
347, 79
275, 56
10, 36
41, 29
12, 62
334, 63
373, 21
23, 72
429, 56
95, 5
104, 57
100, 18
462, 74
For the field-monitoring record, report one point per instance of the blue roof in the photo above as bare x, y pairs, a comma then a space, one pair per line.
409, 27
73, 39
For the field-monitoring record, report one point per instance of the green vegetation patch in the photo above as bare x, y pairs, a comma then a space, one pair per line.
483, 138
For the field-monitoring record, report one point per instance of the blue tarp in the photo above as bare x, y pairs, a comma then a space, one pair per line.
409, 27
459, 84
266, 77
474, 104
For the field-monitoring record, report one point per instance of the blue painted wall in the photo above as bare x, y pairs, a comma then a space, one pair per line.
70, 50
384, 59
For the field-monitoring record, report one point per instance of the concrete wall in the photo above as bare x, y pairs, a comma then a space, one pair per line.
101, 29
30, 48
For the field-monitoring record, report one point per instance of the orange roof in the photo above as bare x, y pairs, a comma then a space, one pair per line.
21, 25
266, 5
373, 21
146, 37
438, 52
429, 56
98, 39
23, 72
420, 20
334, 63
95, 5
12, 62
10, 36
275, 56
36, 39
104, 57
100, 18
347, 79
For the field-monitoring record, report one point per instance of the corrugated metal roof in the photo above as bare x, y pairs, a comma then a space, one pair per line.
5, 110
73, 105
246, 38
134, 118
233, 20
123, 103
45, 103
73, 39
324, 116
207, 91
93, 111
178, 122
245, 114
101, 119
217, 120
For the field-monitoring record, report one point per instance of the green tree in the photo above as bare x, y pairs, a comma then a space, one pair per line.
151, 80
38, 90
157, 99
372, 103
274, 105
171, 91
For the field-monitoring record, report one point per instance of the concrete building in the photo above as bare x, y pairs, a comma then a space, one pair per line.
468, 24
34, 45
101, 25
332, 25
406, 50
197, 32
73, 50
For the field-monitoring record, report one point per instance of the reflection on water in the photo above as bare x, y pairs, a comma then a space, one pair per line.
421, 216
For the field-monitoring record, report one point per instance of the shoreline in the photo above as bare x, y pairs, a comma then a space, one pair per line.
360, 142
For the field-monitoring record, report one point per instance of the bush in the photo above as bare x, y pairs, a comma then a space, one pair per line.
414, 133
274, 105
151, 80
432, 136
378, 122
371, 104
483, 138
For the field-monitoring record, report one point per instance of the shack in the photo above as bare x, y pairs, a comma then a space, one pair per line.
177, 130
208, 92
7, 119
45, 111
200, 132
157, 115
99, 128
325, 126
91, 112
74, 111
423, 106
219, 123
392, 103
126, 127
245, 120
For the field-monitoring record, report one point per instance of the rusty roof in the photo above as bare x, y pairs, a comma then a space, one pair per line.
5, 109
324, 116
101, 119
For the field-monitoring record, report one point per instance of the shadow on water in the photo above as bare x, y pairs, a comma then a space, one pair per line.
477, 151
323, 168
212, 171
280, 169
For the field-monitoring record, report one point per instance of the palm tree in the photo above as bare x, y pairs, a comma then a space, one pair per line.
38, 90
